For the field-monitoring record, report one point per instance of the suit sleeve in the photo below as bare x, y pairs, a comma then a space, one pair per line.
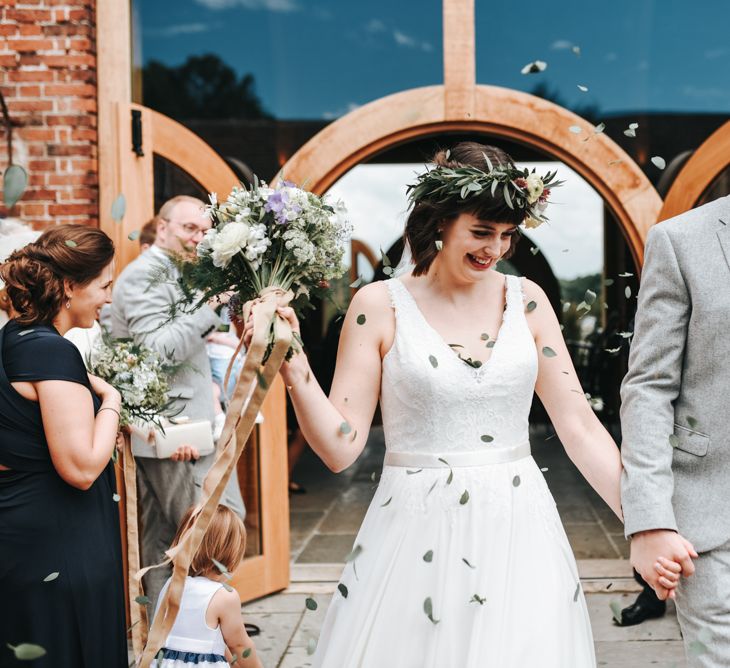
147, 308
651, 387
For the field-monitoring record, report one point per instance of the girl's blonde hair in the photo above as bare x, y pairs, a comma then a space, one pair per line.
224, 540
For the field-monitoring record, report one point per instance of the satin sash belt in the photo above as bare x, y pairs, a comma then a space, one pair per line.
456, 459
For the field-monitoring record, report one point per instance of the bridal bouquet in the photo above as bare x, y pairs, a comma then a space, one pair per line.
140, 375
282, 239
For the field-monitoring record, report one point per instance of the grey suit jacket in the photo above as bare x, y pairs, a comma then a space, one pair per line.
676, 431
139, 311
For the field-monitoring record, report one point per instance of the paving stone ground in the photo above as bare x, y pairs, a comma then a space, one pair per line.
324, 522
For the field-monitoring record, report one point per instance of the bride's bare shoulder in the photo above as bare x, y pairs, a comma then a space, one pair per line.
374, 296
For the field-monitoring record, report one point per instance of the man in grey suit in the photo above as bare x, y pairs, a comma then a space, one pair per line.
676, 433
140, 310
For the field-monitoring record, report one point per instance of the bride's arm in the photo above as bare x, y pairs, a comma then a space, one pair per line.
337, 427
584, 438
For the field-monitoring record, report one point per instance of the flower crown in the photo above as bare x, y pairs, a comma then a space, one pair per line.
522, 190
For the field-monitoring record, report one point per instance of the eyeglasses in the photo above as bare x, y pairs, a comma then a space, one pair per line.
191, 229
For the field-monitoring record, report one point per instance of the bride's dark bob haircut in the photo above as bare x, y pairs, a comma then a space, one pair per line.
427, 218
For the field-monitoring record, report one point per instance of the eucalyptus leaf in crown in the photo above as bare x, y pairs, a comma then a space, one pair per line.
140, 375
521, 189
262, 237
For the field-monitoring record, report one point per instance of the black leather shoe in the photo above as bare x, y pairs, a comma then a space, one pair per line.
646, 606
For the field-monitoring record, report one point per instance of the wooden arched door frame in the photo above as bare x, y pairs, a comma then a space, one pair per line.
697, 175
500, 112
267, 571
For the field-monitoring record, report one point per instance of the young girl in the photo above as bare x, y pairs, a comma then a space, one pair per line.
208, 631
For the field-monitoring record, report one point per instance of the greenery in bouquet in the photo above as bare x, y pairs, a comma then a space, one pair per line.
141, 377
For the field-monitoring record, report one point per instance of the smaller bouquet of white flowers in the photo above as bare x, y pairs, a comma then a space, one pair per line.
141, 377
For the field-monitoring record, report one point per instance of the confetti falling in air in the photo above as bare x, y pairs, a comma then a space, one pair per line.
575, 129
658, 162
361, 319
534, 67
582, 89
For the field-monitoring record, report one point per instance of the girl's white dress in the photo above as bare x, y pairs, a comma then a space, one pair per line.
461, 561
191, 641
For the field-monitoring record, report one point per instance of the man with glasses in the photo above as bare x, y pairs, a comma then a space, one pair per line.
141, 311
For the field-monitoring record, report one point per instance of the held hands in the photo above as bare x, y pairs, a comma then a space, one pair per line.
662, 572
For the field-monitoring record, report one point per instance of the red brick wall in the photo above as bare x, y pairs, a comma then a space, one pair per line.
48, 78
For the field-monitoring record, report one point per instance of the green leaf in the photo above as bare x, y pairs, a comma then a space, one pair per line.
491, 344
27, 651
119, 208
516, 481
589, 297
575, 129
246, 652
261, 380
142, 600
616, 610
534, 250
70, 243
343, 590
507, 198
311, 646
549, 352
431, 488
477, 599
484, 336
608, 282
576, 593
221, 567
357, 282
354, 554
674, 441
387, 502
116, 498
51, 576
310, 603
626, 274
428, 557
464, 498
439, 244
428, 609
361, 319
434, 361
627, 292
408, 472
531, 306
133, 235
691, 422
486, 438
345, 428
658, 162
466, 561
15, 181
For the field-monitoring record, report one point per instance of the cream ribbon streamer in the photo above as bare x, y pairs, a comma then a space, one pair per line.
251, 388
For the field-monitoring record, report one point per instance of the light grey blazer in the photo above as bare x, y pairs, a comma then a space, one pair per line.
678, 383
139, 311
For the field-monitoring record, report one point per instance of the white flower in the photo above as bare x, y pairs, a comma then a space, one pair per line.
205, 245
535, 187
229, 240
213, 197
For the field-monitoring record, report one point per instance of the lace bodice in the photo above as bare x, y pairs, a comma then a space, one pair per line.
432, 401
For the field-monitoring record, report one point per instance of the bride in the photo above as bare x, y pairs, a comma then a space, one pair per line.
461, 560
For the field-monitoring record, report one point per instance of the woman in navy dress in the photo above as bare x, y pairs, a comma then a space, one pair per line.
61, 579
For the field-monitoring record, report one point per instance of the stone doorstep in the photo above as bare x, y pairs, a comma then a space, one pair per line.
597, 575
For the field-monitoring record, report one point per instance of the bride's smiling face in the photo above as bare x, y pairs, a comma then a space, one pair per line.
472, 246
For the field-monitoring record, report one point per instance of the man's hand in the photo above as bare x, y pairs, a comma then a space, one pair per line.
185, 453
660, 556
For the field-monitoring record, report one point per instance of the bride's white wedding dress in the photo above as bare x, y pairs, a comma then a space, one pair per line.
461, 561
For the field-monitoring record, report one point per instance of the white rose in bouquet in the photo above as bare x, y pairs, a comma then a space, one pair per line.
229, 240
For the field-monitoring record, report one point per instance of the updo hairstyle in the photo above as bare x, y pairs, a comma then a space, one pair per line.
34, 275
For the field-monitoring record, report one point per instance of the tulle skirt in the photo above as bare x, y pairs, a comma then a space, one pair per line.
459, 568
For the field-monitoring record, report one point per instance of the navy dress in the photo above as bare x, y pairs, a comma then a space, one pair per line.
47, 526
